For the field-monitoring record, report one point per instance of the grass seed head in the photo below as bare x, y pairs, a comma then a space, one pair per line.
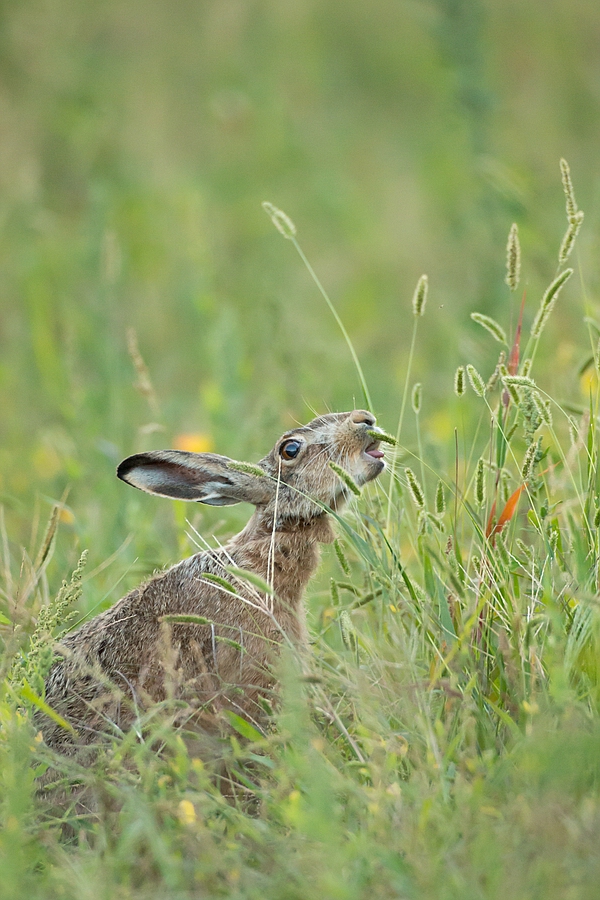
568, 242
459, 381
252, 578
280, 220
33, 664
544, 408
416, 398
383, 436
505, 486
548, 301
507, 382
247, 468
420, 296
348, 630
416, 491
185, 619
527, 551
335, 594
519, 381
502, 549
339, 552
513, 258
530, 412
494, 328
345, 477
531, 458
573, 430
565, 172
423, 523
218, 580
476, 381
440, 499
480, 483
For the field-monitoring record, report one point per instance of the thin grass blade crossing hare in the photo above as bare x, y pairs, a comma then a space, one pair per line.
208, 630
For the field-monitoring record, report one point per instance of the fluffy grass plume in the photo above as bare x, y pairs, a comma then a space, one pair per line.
440, 498
346, 478
420, 296
490, 325
475, 380
339, 552
513, 258
548, 301
568, 242
416, 396
383, 436
247, 468
280, 220
571, 205
518, 381
544, 408
480, 483
531, 458
416, 491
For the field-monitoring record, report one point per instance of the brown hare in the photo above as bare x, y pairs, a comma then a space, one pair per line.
125, 659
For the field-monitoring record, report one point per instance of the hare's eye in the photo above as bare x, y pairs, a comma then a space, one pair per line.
290, 449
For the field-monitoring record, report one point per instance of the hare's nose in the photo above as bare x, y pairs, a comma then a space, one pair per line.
362, 417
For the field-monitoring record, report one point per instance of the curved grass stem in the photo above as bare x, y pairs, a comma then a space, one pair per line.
323, 292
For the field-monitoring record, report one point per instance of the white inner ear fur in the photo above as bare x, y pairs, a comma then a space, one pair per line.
164, 481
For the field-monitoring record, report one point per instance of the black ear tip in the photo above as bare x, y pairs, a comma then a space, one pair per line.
125, 467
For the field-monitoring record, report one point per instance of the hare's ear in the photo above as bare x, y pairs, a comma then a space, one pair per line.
204, 477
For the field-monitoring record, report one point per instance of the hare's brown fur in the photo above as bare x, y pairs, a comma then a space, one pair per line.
120, 662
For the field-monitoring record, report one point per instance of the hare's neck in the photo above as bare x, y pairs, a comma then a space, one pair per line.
286, 556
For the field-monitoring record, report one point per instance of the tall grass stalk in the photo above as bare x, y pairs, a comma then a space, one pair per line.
288, 229
407, 378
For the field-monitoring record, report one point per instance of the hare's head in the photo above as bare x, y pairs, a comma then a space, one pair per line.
285, 484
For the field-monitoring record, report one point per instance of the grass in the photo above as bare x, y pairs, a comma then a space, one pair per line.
445, 740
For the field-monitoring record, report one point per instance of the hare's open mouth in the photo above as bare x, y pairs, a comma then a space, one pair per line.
374, 450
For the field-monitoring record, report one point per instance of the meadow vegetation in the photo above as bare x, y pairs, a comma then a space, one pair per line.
444, 740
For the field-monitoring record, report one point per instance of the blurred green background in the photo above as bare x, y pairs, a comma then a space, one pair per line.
137, 142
